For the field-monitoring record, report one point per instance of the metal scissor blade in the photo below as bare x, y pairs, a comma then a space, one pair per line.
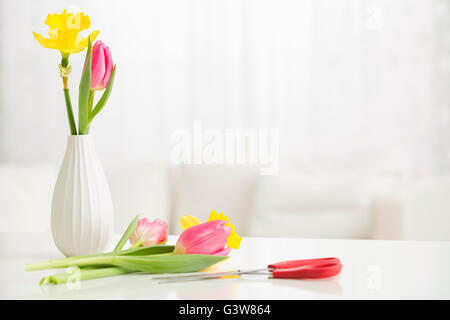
192, 275
176, 280
185, 274
204, 275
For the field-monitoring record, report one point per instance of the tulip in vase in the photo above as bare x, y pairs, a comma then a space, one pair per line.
82, 210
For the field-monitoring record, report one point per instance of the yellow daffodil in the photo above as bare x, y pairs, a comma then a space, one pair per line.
63, 32
233, 240
188, 221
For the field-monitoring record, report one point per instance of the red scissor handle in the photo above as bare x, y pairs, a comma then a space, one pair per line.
306, 269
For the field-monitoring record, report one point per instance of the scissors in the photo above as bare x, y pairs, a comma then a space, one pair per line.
293, 269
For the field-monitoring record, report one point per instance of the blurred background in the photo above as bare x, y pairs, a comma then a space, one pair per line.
358, 89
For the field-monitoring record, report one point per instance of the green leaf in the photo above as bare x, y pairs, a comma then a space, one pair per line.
127, 234
101, 103
146, 251
174, 263
83, 94
157, 263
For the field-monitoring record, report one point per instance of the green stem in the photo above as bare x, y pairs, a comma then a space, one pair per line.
87, 261
66, 263
65, 61
84, 274
101, 103
72, 125
91, 101
71, 261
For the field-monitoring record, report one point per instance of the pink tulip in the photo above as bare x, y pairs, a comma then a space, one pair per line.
205, 238
149, 233
102, 66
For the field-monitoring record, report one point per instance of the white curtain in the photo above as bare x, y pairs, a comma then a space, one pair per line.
347, 82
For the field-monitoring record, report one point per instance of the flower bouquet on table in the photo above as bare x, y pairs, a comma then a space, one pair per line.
82, 210
200, 246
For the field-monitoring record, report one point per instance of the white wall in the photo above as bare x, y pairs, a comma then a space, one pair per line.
353, 86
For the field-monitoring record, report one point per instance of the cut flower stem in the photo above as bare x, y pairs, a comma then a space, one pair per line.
84, 274
91, 259
72, 125
156, 263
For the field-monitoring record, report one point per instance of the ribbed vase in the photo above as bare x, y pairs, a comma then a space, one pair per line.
82, 209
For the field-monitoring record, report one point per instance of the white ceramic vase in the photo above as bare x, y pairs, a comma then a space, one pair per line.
82, 209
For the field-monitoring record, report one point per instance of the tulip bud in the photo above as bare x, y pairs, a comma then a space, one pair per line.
149, 233
102, 66
205, 238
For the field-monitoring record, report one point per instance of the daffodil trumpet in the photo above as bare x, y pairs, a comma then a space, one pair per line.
63, 31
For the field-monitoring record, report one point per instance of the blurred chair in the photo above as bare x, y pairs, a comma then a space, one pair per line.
426, 209
296, 203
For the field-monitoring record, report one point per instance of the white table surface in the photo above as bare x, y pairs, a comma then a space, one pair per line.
371, 269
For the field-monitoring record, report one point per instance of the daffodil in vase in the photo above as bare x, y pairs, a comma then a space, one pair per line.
82, 210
